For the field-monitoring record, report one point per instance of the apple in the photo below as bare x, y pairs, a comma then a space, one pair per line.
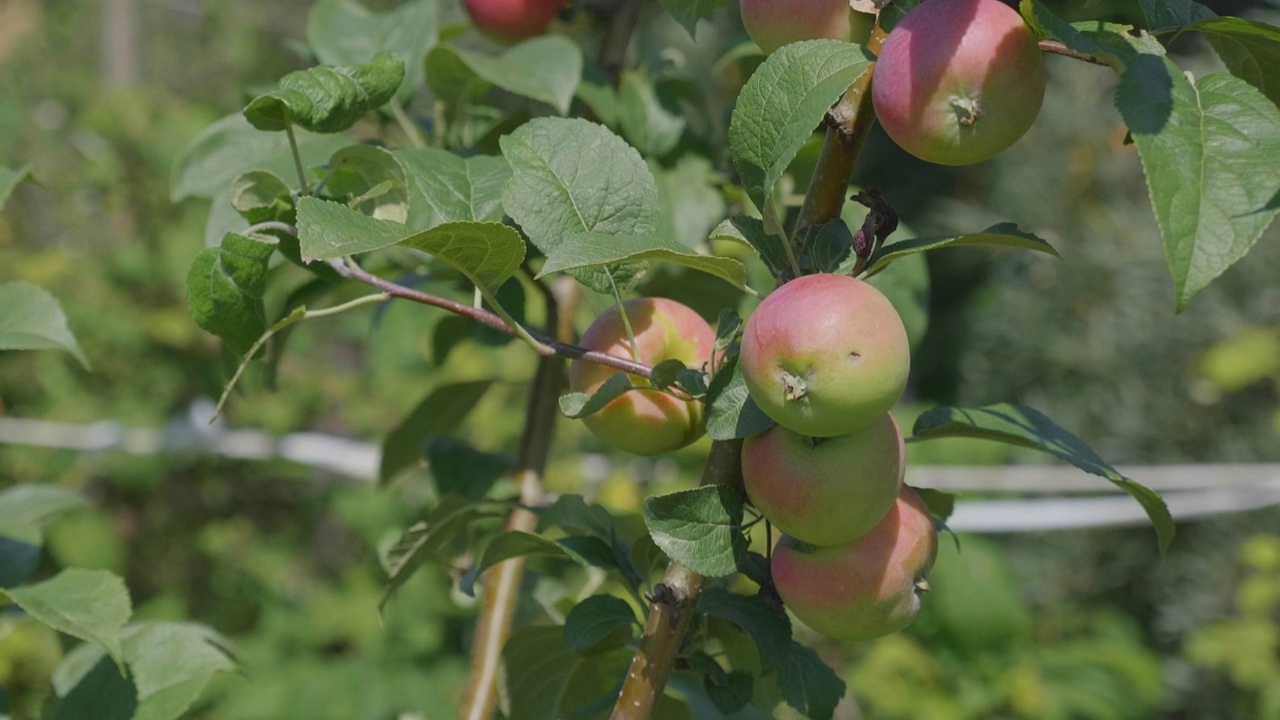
958, 81
512, 20
825, 355
645, 422
864, 589
825, 491
774, 23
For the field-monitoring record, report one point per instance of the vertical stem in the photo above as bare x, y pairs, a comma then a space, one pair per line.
849, 122
668, 621
502, 582
297, 159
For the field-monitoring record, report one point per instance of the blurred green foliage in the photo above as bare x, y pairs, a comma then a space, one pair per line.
285, 561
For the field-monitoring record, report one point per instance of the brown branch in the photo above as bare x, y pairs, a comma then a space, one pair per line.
1057, 48
672, 609
488, 319
848, 124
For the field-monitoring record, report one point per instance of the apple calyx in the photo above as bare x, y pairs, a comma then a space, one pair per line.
794, 387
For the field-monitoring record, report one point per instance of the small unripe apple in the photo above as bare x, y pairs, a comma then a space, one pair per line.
825, 355
645, 422
774, 23
958, 81
864, 589
825, 491
512, 20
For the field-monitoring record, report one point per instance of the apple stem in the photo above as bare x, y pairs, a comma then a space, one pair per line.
626, 321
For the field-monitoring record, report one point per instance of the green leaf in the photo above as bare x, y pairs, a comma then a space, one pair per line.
342, 32
20, 547
37, 504
487, 253
573, 515
170, 663
941, 504
1250, 50
1025, 427
513, 544
666, 373
231, 146
578, 405
459, 469
1003, 234
10, 179
574, 176
595, 619
542, 678
89, 604
1173, 14
449, 188
690, 198
1208, 151
1117, 45
730, 692
327, 99
260, 195
330, 230
700, 529
783, 102
370, 180
731, 413
808, 684
547, 68
644, 121
103, 693
432, 538
593, 249
32, 319
224, 290
770, 630
688, 12
895, 11
439, 413
750, 231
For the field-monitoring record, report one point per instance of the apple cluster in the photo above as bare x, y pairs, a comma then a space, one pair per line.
826, 356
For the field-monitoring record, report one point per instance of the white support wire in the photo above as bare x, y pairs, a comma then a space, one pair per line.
1068, 498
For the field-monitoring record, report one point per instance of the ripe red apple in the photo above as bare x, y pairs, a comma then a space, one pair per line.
958, 81
867, 588
774, 23
825, 491
825, 355
512, 20
645, 422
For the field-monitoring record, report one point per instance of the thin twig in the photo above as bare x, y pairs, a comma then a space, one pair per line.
489, 319
1057, 48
